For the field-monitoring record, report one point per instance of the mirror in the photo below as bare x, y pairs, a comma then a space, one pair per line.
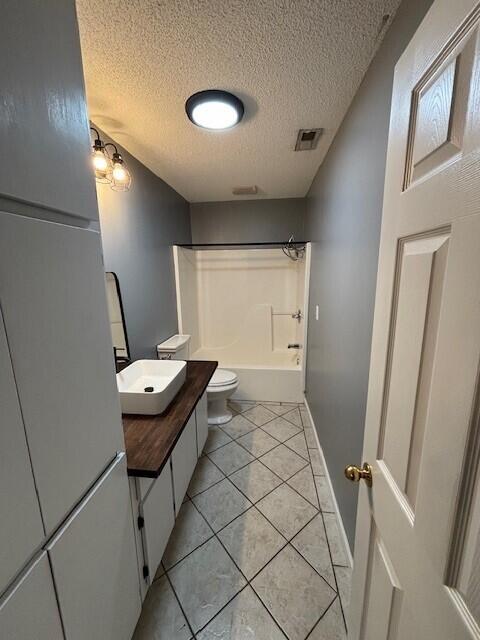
117, 317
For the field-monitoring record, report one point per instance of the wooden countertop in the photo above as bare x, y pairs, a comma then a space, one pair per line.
149, 440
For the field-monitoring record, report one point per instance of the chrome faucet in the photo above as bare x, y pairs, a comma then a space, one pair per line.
120, 361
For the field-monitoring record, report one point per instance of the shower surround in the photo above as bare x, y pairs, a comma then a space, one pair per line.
238, 306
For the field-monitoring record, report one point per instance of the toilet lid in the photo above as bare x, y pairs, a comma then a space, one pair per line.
222, 377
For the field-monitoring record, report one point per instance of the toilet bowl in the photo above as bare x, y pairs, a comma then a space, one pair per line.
221, 386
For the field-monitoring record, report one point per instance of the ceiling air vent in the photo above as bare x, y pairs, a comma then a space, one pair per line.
245, 191
307, 139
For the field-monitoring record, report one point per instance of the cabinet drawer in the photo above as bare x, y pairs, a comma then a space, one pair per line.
184, 459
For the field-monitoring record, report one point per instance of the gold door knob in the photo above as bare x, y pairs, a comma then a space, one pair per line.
355, 474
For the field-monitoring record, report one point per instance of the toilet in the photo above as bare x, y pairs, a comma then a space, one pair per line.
175, 348
221, 386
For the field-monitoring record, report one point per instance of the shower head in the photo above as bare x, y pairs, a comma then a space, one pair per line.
293, 250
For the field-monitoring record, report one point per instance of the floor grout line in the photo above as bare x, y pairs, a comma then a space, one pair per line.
288, 540
268, 421
282, 481
180, 605
322, 616
197, 547
254, 504
248, 581
328, 541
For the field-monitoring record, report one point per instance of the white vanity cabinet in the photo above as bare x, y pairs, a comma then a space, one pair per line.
201, 418
156, 502
29, 611
93, 560
184, 460
44, 129
21, 528
52, 293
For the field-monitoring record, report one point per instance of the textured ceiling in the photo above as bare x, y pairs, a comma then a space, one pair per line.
295, 63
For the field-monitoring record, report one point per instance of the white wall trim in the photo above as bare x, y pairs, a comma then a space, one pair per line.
306, 306
177, 289
343, 533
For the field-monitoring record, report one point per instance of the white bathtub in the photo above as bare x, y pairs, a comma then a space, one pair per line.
281, 381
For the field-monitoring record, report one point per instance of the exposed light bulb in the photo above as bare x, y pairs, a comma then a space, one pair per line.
100, 162
119, 173
121, 178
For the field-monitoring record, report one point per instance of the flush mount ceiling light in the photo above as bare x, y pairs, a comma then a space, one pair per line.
109, 170
214, 109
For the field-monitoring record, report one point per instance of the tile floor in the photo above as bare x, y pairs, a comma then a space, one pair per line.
255, 553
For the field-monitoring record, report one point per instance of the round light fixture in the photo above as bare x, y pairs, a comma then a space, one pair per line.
214, 109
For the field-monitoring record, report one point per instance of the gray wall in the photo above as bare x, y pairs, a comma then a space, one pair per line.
138, 229
248, 220
343, 217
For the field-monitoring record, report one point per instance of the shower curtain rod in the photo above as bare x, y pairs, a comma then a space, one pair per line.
240, 244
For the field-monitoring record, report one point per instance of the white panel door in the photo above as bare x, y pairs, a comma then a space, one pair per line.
159, 517
44, 131
201, 418
94, 563
184, 460
21, 528
417, 548
52, 293
30, 611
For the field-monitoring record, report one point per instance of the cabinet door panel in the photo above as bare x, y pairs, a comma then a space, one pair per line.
30, 611
21, 529
94, 563
184, 459
44, 130
159, 516
52, 292
202, 423
135, 501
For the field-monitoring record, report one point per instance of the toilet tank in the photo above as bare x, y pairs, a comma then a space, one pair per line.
175, 348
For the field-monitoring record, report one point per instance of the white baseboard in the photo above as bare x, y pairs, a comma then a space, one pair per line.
343, 533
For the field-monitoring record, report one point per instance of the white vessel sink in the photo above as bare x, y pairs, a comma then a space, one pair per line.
148, 387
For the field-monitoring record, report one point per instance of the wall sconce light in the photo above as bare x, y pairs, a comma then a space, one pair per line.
102, 164
108, 169
121, 178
